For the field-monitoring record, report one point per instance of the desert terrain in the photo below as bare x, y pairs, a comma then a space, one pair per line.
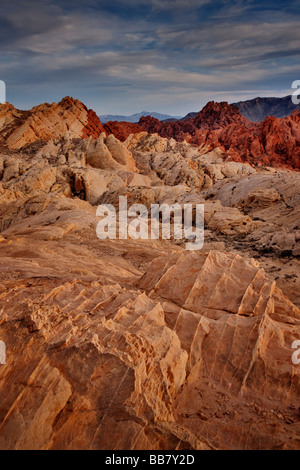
142, 344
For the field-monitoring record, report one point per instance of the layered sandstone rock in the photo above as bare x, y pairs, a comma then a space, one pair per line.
193, 354
179, 162
45, 122
85, 168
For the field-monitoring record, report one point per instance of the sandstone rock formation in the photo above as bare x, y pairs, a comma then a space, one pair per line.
45, 122
192, 354
140, 344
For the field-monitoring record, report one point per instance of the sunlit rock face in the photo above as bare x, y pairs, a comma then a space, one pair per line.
194, 353
69, 117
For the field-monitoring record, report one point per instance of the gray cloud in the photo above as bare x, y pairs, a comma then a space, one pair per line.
49, 49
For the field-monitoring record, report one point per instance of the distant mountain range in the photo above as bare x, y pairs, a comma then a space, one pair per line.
136, 117
255, 110
258, 109
190, 115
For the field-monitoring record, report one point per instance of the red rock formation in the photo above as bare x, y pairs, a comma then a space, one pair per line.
218, 115
274, 142
47, 121
213, 116
121, 130
93, 127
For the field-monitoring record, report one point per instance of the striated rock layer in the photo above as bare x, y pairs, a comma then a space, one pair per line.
194, 353
69, 117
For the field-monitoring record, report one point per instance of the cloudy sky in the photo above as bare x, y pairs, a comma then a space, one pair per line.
124, 56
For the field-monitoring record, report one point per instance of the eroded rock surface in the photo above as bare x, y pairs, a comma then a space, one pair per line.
45, 122
108, 351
